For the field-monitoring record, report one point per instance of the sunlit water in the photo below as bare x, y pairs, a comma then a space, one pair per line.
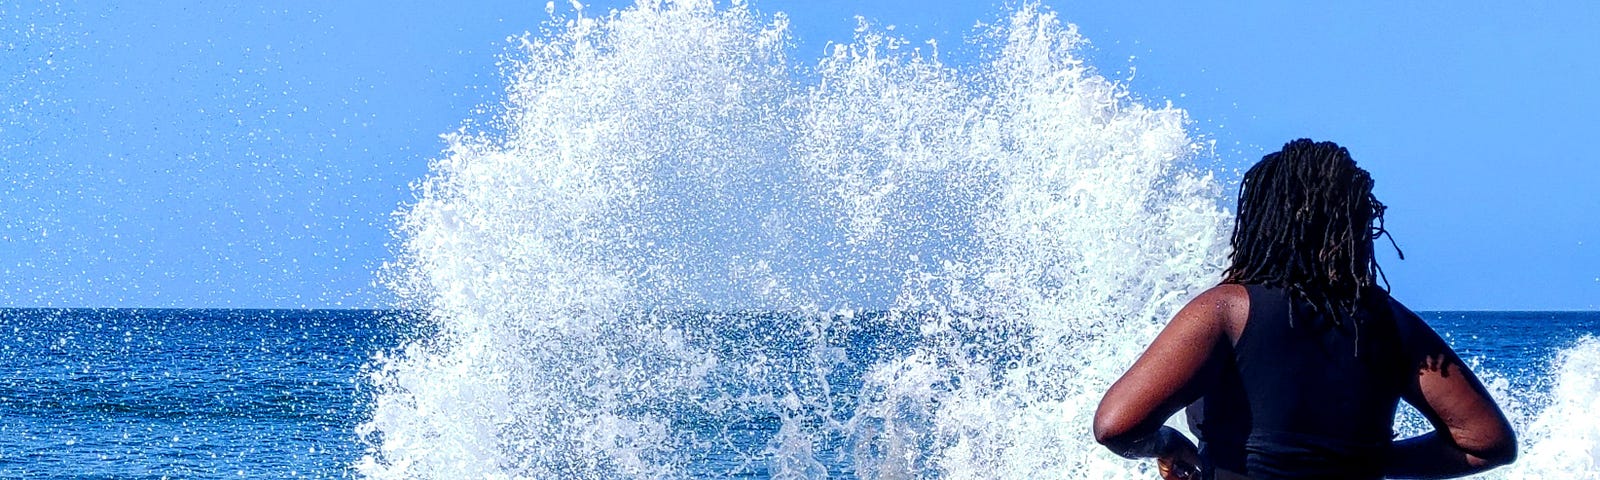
122, 393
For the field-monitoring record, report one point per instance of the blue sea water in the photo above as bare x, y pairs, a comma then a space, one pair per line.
136, 393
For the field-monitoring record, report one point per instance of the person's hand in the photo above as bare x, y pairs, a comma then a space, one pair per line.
1182, 463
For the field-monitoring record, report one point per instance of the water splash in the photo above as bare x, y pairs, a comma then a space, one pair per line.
1561, 439
532, 248
654, 263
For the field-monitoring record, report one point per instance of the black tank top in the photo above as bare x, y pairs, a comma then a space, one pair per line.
1303, 396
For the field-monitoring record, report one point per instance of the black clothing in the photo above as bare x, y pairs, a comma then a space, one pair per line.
1304, 395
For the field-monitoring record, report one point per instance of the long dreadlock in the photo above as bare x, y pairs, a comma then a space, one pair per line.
1307, 219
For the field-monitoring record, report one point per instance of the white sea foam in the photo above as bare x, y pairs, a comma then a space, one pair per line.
530, 247
1561, 440
1032, 220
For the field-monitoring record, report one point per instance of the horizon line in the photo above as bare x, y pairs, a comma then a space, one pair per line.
743, 310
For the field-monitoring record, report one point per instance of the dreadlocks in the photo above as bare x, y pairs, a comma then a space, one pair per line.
1306, 222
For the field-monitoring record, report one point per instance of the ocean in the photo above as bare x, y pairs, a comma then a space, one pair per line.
132, 393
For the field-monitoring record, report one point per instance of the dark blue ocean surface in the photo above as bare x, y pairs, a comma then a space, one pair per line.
1517, 346
132, 393
183, 393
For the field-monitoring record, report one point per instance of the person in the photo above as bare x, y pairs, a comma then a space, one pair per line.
1293, 366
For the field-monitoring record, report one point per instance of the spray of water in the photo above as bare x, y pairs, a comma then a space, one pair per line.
1561, 437
653, 263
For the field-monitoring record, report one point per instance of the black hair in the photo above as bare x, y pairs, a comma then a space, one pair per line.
1306, 223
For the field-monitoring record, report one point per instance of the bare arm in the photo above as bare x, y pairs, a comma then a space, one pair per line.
1470, 434
1171, 374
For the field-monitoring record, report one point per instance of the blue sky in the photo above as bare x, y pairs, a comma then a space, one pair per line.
195, 154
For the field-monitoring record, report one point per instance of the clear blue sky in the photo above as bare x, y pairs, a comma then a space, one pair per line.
198, 154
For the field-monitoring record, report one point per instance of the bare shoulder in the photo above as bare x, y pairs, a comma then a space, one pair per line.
1228, 299
1226, 294
1226, 304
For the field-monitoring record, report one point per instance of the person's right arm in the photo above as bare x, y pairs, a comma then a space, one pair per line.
1470, 433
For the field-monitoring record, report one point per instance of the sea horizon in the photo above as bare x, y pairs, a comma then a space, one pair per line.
733, 311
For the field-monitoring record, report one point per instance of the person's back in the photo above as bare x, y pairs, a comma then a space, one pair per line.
1303, 395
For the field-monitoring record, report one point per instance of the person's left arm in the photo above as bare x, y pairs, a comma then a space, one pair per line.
1172, 373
